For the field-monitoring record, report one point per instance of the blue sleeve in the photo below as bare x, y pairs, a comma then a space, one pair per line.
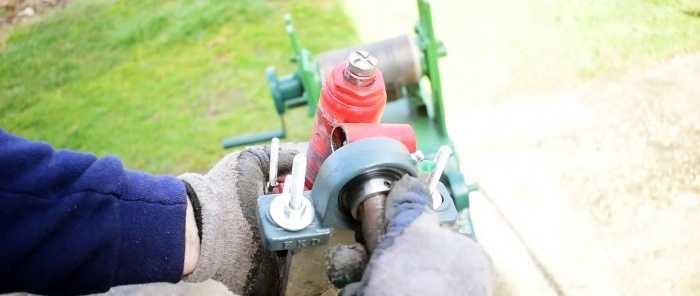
71, 223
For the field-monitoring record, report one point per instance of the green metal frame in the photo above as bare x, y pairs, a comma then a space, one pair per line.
432, 49
308, 68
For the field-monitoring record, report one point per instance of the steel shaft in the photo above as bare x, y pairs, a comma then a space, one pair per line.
371, 215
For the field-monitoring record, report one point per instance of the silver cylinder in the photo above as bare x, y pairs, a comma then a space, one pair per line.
441, 159
274, 159
298, 178
399, 59
371, 216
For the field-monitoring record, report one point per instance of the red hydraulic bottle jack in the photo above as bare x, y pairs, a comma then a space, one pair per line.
354, 92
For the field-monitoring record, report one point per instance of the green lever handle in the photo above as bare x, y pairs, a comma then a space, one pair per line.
252, 139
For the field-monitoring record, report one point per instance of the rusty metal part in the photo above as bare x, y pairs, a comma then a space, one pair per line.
371, 216
364, 197
345, 264
400, 61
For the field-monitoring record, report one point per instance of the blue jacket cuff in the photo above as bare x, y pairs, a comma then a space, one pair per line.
152, 212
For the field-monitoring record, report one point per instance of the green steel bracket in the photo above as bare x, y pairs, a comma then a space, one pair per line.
432, 49
298, 89
308, 69
287, 92
254, 138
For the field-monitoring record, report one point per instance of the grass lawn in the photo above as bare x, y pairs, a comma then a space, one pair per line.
158, 83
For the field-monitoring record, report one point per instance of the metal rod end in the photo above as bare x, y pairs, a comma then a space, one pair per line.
441, 158
298, 179
274, 162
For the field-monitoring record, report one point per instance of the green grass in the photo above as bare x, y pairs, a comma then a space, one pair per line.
158, 83
613, 35
508, 48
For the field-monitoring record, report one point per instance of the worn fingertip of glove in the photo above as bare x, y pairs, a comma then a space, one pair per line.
407, 200
417, 192
196, 207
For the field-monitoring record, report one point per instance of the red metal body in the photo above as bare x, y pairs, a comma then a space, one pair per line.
347, 133
342, 102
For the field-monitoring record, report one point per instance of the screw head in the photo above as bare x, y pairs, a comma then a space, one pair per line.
361, 63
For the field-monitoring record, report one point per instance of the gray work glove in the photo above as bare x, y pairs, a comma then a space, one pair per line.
231, 248
417, 256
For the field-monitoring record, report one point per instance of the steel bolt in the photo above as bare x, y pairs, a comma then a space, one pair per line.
361, 63
298, 179
441, 158
274, 160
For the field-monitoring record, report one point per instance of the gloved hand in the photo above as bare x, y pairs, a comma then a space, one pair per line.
225, 202
417, 256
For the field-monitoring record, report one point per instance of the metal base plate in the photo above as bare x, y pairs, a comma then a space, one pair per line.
276, 238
